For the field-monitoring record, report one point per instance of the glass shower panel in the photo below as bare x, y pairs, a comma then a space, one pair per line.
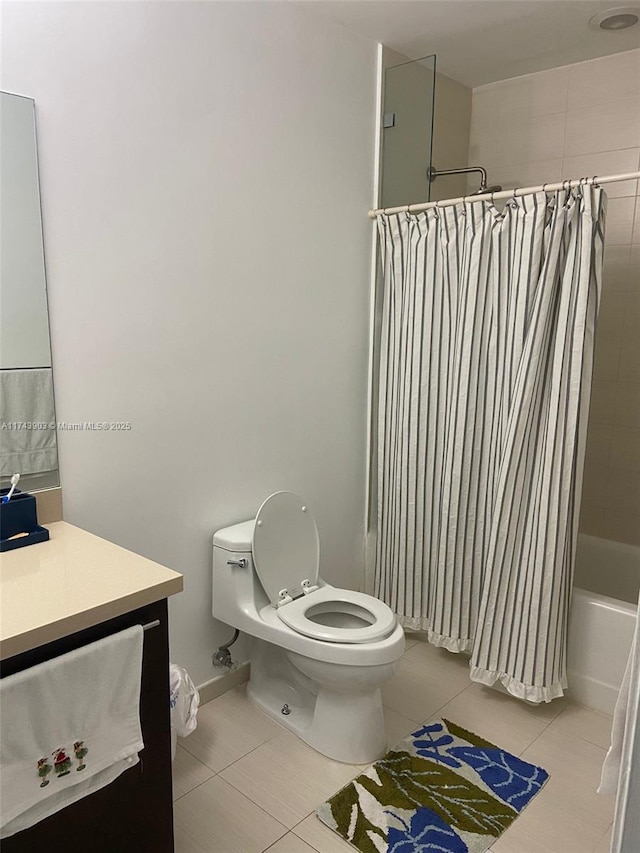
407, 131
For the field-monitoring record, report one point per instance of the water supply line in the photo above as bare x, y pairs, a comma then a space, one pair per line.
222, 656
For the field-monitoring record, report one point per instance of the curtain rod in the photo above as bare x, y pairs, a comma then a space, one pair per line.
519, 191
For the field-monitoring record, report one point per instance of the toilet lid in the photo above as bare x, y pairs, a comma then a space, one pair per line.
286, 546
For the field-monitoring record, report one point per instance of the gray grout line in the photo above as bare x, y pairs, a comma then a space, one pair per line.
571, 732
195, 758
536, 738
247, 797
222, 769
213, 773
257, 805
186, 793
278, 840
204, 781
552, 720
308, 843
437, 711
244, 755
347, 846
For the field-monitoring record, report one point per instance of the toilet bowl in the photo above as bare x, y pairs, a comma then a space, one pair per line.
319, 653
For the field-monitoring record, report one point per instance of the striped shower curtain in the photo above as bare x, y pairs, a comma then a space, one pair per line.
486, 354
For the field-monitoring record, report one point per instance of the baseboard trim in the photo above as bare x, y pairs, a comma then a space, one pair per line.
222, 683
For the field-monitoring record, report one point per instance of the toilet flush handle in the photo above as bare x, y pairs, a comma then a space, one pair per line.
241, 562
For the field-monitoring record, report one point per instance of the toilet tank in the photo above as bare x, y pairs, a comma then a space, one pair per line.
238, 537
235, 589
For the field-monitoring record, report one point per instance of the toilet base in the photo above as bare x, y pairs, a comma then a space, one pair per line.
336, 709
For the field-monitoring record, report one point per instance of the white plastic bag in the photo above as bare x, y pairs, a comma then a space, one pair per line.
184, 700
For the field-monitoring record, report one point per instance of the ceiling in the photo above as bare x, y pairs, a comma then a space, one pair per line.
479, 41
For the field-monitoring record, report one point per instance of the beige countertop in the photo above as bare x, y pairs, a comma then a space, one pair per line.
70, 583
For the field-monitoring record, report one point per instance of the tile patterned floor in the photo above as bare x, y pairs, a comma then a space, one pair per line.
243, 784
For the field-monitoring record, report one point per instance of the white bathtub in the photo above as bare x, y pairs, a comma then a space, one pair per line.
601, 626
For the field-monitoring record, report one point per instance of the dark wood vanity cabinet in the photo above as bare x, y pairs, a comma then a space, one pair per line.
134, 813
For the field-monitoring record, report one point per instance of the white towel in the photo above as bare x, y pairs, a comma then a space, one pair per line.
26, 396
69, 726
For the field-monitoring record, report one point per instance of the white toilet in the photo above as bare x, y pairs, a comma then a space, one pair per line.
319, 653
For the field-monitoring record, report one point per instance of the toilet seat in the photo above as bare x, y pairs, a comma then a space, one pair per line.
328, 600
286, 558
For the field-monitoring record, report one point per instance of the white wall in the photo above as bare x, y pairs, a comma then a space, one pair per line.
206, 173
583, 120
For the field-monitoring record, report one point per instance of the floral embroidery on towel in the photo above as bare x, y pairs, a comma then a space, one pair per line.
44, 768
80, 750
61, 762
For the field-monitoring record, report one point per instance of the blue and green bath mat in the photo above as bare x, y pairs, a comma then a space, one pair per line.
440, 790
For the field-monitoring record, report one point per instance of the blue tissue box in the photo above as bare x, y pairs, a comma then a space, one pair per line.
20, 516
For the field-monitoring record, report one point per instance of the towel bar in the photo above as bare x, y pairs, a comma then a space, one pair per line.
153, 624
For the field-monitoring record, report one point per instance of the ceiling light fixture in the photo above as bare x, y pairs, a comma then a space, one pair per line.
614, 20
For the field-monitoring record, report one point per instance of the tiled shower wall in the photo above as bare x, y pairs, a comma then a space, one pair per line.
582, 120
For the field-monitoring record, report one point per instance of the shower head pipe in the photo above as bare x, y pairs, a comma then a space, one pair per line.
433, 173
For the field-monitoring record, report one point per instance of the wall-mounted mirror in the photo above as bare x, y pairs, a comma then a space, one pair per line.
28, 443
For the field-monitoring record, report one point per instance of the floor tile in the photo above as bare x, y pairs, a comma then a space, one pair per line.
188, 773
299, 778
511, 844
320, 837
567, 816
543, 710
216, 818
448, 668
410, 640
416, 692
228, 728
274, 781
290, 843
498, 717
397, 726
589, 725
